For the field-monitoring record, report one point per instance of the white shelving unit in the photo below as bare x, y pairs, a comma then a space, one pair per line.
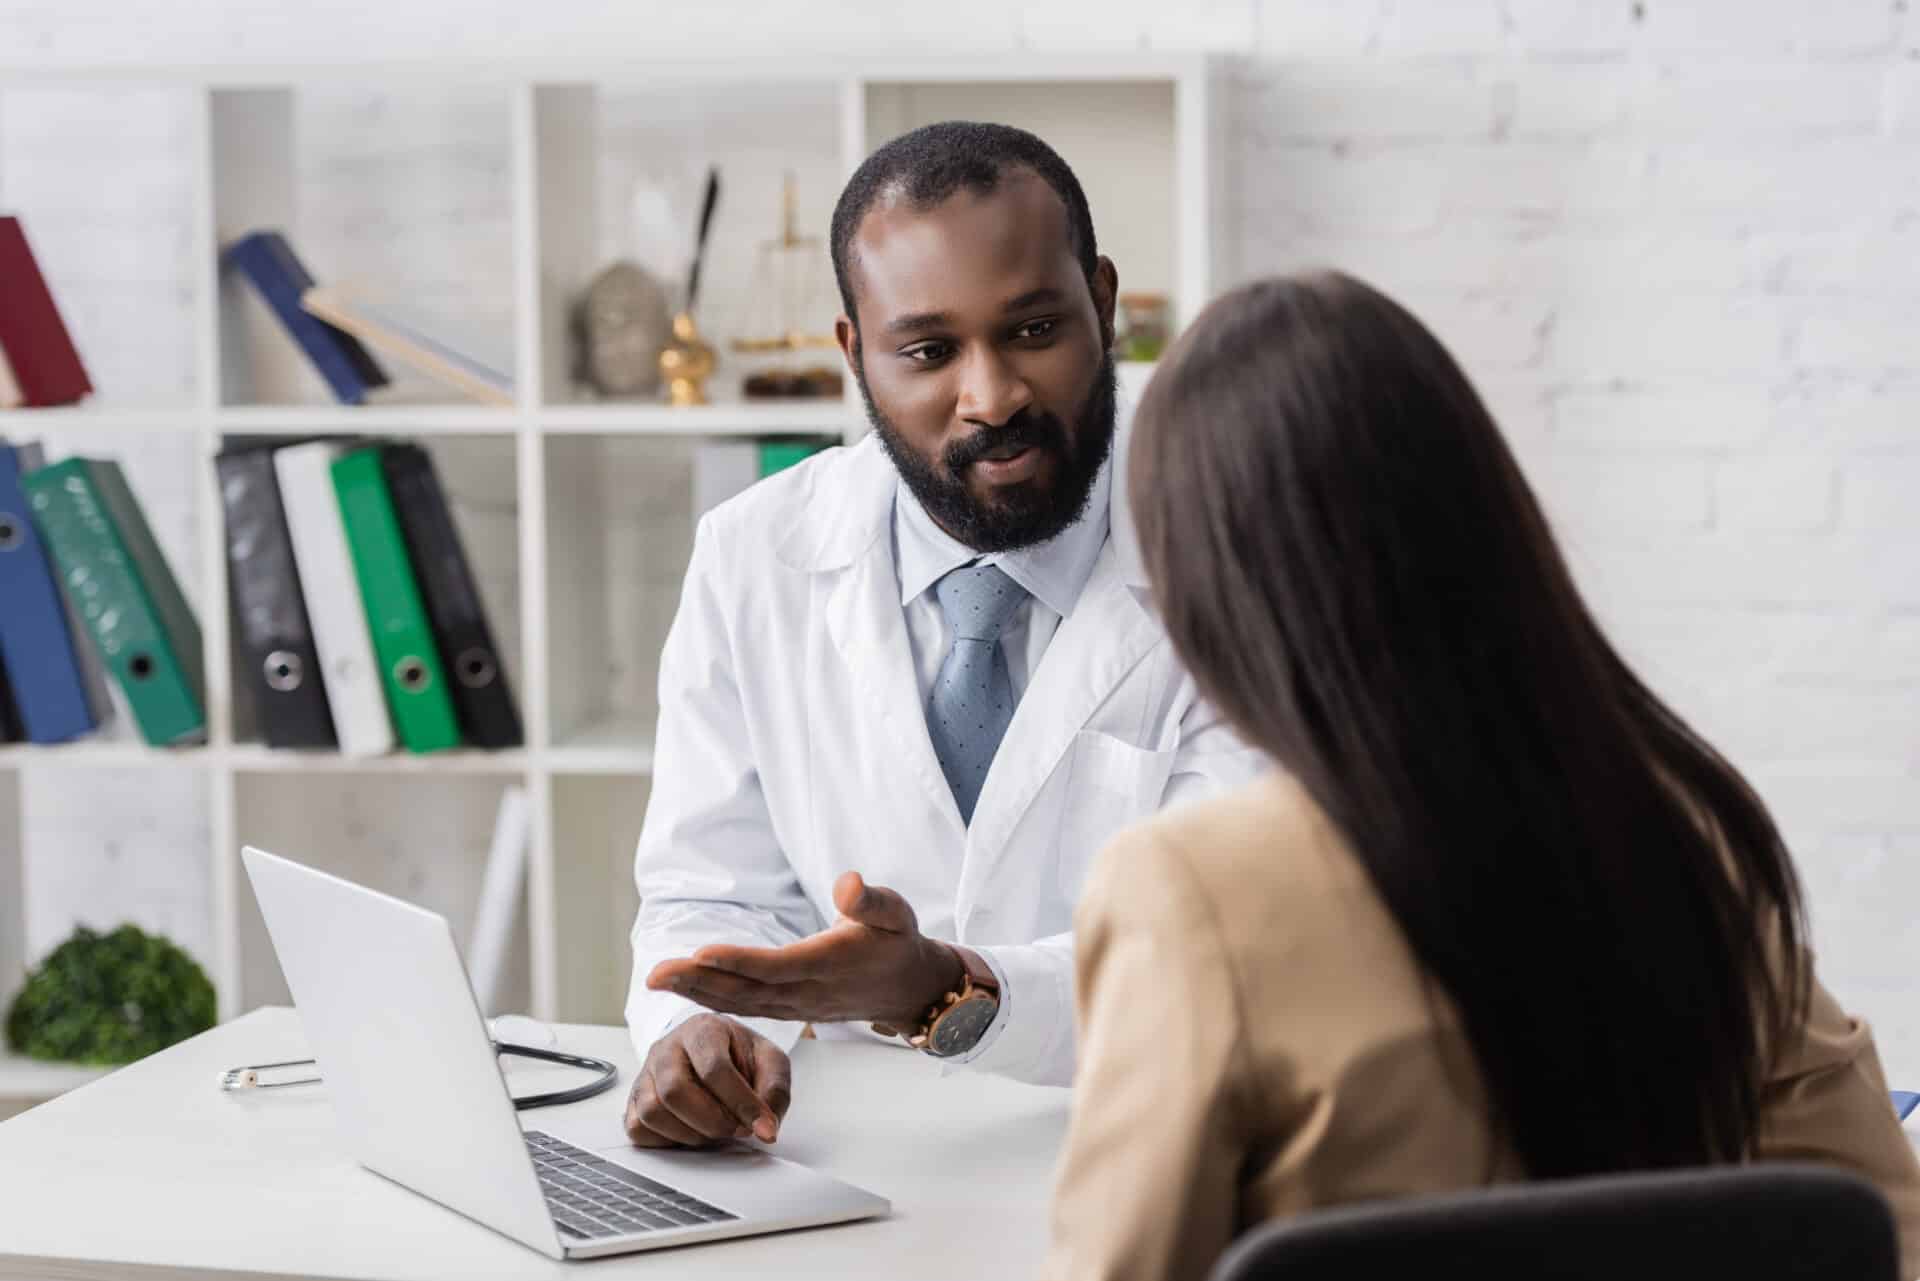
576, 513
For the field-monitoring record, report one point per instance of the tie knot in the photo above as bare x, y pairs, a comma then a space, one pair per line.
978, 600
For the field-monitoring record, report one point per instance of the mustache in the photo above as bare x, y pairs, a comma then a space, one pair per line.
1026, 430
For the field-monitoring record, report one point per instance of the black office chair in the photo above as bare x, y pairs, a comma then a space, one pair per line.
1755, 1223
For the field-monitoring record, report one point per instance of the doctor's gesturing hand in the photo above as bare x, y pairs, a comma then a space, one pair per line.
873, 965
712, 1079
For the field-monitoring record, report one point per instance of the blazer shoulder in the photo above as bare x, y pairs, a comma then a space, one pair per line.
1267, 832
1264, 869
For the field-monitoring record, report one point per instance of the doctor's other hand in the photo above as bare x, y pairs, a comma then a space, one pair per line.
709, 1080
873, 965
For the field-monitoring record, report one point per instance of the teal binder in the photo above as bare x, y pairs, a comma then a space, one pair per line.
118, 582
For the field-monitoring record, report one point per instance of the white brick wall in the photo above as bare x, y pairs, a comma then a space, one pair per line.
1676, 241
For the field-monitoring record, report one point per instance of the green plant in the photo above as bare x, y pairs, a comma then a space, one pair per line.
110, 999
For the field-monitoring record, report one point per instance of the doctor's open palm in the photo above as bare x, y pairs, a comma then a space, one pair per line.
709, 1078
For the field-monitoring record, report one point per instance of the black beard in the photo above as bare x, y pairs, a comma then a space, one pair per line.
1020, 518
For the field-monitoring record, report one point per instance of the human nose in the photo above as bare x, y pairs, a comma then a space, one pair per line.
992, 391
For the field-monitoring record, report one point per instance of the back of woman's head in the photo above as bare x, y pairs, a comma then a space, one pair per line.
1349, 561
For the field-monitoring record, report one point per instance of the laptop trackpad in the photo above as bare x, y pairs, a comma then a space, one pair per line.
739, 1177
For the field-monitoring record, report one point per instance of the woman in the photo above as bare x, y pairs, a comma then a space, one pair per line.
1499, 914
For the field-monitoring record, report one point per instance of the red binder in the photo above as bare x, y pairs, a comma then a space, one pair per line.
36, 343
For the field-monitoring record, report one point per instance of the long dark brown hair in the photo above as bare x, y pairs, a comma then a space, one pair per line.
1349, 561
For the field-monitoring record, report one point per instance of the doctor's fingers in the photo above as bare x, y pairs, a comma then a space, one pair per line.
688, 1099
713, 1060
731, 994
772, 1075
650, 1124
874, 906
818, 956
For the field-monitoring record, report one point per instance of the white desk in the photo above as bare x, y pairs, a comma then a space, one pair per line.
153, 1171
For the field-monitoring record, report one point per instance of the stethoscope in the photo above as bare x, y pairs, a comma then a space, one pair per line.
249, 1076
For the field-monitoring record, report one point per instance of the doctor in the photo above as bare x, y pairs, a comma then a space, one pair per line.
912, 686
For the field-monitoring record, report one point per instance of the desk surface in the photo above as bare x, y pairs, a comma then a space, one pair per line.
153, 1171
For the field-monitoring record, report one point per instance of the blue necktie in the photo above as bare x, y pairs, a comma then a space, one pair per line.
972, 699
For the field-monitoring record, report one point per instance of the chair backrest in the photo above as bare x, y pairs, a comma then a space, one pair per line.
1773, 1222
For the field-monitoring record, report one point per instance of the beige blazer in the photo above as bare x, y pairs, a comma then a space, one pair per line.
1256, 1041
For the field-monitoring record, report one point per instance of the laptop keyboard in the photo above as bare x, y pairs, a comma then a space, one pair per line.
593, 1198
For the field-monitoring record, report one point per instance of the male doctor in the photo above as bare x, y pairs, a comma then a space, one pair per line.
914, 684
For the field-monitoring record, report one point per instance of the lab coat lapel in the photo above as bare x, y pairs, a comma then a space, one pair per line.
1105, 637
869, 629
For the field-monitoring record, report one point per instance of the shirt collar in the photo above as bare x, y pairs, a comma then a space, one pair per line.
1053, 572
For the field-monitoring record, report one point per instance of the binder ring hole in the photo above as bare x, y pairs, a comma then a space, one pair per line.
141, 665
412, 675
475, 669
12, 531
284, 671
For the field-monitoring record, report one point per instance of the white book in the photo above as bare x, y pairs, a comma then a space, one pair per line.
334, 609
397, 332
499, 898
11, 396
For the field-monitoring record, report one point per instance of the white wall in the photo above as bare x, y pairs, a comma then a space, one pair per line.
1677, 242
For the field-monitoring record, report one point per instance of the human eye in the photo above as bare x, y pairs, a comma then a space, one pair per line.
928, 353
1037, 330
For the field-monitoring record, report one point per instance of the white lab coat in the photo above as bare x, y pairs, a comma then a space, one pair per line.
792, 747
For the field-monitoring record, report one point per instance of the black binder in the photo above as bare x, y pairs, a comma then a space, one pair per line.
11, 729
481, 698
273, 636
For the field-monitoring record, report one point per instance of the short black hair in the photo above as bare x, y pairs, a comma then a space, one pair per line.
929, 164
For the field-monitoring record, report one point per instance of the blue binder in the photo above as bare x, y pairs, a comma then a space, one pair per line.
266, 259
50, 686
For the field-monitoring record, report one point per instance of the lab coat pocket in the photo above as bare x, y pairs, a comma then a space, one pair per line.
1112, 785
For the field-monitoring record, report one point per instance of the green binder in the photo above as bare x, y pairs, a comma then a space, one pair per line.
778, 455
402, 639
113, 573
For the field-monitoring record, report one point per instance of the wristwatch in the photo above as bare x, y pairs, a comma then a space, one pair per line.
955, 1023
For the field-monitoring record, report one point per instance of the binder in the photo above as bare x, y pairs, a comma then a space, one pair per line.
57, 693
341, 641
274, 639
10, 728
44, 367
402, 640
481, 697
266, 259
113, 571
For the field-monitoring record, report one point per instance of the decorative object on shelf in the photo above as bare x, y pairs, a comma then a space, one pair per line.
110, 999
792, 302
621, 326
1143, 326
815, 382
687, 362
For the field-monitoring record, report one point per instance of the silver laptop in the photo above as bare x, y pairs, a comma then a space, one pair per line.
391, 1019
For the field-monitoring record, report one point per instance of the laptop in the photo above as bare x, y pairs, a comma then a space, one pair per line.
417, 1089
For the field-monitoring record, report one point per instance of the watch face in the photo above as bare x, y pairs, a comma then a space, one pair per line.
963, 1026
